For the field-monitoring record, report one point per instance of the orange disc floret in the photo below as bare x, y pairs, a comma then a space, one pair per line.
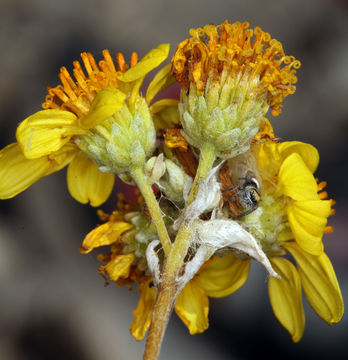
323, 195
235, 50
174, 139
76, 95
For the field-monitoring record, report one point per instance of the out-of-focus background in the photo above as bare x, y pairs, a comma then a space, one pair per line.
53, 304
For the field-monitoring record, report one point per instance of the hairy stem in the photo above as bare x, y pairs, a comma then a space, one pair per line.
156, 215
160, 318
206, 160
167, 291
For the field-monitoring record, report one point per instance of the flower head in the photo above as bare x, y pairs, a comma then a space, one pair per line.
128, 232
291, 218
230, 75
98, 123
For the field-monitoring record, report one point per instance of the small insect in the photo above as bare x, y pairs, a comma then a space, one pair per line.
248, 194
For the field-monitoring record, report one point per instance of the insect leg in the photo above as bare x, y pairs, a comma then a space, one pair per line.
249, 211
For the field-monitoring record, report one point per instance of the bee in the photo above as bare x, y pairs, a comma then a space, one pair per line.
248, 194
241, 199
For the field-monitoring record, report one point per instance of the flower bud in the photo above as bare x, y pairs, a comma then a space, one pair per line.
126, 138
174, 182
155, 168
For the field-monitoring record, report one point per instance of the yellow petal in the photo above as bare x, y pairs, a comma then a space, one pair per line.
17, 172
104, 105
105, 234
143, 312
308, 153
192, 306
307, 221
165, 113
62, 157
266, 127
319, 283
86, 183
150, 61
223, 275
162, 80
118, 267
46, 132
160, 105
286, 297
295, 179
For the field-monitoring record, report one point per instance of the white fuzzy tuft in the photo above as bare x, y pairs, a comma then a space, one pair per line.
220, 233
153, 262
207, 199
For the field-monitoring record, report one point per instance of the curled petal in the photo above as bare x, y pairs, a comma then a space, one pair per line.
118, 267
17, 172
307, 221
192, 306
223, 275
86, 183
105, 234
162, 80
150, 61
143, 312
296, 180
308, 153
286, 298
159, 105
319, 283
104, 105
46, 132
165, 113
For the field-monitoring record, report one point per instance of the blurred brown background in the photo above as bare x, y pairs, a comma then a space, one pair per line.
53, 303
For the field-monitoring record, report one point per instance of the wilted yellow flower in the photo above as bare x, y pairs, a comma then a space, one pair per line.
230, 75
128, 232
291, 218
100, 113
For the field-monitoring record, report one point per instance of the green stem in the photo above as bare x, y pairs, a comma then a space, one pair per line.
167, 291
206, 160
156, 215
182, 242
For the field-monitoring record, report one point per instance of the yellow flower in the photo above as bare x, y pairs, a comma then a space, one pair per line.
128, 233
230, 75
80, 115
291, 219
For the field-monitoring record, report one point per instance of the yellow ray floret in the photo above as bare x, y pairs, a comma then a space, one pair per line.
192, 306
223, 275
105, 234
319, 283
286, 297
17, 172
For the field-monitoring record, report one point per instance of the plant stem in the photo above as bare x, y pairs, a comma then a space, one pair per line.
156, 215
161, 314
206, 160
182, 241
167, 291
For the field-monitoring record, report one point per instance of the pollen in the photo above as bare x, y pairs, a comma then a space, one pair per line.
240, 52
76, 94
